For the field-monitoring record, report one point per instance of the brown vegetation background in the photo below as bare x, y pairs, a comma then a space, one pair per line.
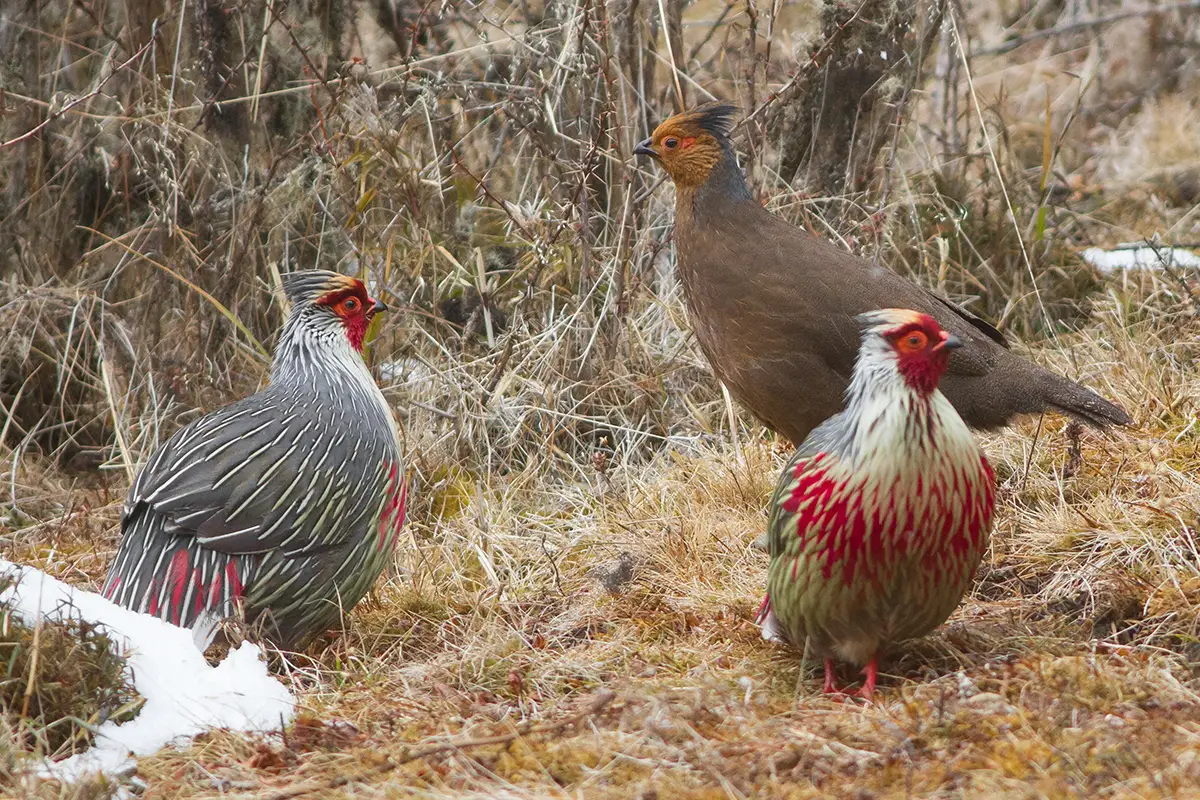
584, 494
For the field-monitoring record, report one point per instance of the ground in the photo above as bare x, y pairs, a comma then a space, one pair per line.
1068, 672
571, 611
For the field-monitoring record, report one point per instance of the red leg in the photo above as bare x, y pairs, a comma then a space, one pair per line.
831, 686
871, 670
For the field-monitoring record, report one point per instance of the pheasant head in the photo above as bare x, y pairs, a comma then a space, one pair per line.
329, 302
691, 144
908, 343
893, 406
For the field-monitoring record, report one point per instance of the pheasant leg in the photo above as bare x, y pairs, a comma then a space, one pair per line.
831, 686
871, 670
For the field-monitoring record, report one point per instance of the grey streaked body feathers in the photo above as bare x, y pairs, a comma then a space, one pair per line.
280, 494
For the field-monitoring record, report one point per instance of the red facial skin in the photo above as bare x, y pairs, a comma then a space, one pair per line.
922, 357
674, 142
355, 307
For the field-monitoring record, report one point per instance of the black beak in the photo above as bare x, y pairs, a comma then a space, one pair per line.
645, 148
379, 306
951, 342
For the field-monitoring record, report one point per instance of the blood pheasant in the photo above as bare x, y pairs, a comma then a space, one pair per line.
284, 506
773, 307
881, 517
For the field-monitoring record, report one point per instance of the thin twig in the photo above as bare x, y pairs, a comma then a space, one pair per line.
666, 21
112, 37
803, 73
713, 27
991, 151
217, 304
29, 134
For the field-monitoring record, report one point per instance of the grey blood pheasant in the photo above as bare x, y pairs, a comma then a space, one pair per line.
284, 506
880, 519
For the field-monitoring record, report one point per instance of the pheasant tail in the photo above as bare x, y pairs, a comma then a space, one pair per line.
175, 578
1071, 398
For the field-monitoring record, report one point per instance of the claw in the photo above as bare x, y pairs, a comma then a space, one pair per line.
866, 691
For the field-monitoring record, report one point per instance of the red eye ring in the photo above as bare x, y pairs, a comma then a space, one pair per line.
912, 342
350, 304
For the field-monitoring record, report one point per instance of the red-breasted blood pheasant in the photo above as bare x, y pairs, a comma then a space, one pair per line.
882, 516
773, 307
284, 506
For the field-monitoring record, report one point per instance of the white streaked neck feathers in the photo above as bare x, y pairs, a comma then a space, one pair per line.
314, 354
889, 421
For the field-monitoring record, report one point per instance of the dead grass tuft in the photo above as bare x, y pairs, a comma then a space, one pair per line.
61, 680
1153, 147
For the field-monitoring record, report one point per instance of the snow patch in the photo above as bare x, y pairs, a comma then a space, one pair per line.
1139, 256
184, 695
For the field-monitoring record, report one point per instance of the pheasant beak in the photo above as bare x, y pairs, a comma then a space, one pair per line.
646, 148
378, 306
949, 342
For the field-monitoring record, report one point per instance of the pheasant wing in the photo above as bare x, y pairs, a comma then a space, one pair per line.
979, 323
249, 478
781, 530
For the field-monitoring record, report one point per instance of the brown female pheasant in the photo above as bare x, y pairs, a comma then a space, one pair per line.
773, 307
882, 516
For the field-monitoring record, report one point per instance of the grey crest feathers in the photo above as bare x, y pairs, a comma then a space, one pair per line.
307, 286
880, 321
869, 319
884, 318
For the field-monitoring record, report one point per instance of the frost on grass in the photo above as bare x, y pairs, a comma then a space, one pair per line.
184, 696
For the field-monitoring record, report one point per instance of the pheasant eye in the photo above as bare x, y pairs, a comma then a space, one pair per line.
350, 304
913, 342
670, 143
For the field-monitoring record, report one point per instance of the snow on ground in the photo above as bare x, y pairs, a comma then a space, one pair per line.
184, 695
1139, 256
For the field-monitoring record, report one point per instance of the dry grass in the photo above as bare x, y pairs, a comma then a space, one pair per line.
61, 680
584, 500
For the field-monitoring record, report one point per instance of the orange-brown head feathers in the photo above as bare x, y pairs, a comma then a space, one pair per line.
690, 144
